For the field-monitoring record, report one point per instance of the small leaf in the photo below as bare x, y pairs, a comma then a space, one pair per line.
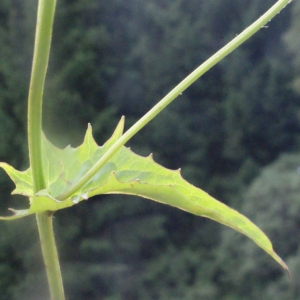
124, 173
17, 214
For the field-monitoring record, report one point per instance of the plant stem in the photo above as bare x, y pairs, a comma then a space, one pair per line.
45, 16
183, 85
51, 261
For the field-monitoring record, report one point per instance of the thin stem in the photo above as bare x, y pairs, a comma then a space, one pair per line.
46, 9
45, 16
51, 261
183, 85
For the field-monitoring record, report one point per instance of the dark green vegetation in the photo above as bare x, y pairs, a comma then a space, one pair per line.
121, 57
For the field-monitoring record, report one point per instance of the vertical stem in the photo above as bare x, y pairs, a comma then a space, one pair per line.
45, 16
42, 45
51, 261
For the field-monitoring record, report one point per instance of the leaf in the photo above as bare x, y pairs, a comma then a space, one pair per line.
17, 214
124, 173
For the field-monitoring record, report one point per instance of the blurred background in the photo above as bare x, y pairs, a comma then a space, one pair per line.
235, 133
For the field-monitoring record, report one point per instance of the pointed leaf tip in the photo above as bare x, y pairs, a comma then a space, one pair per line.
282, 263
120, 127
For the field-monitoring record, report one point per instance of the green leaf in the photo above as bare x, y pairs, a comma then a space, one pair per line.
17, 214
124, 173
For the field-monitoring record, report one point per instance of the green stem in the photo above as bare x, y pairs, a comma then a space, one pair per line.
42, 45
45, 16
51, 261
183, 85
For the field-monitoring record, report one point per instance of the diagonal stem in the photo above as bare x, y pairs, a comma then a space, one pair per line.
183, 85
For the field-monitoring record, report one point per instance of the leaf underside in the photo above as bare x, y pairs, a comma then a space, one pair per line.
125, 173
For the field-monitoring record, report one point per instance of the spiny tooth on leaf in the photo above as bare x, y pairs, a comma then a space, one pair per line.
120, 128
89, 134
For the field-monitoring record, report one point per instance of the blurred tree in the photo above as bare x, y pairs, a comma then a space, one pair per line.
13, 90
272, 202
80, 69
13, 82
125, 56
222, 129
75, 95
292, 44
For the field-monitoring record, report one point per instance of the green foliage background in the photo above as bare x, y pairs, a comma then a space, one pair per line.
120, 57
